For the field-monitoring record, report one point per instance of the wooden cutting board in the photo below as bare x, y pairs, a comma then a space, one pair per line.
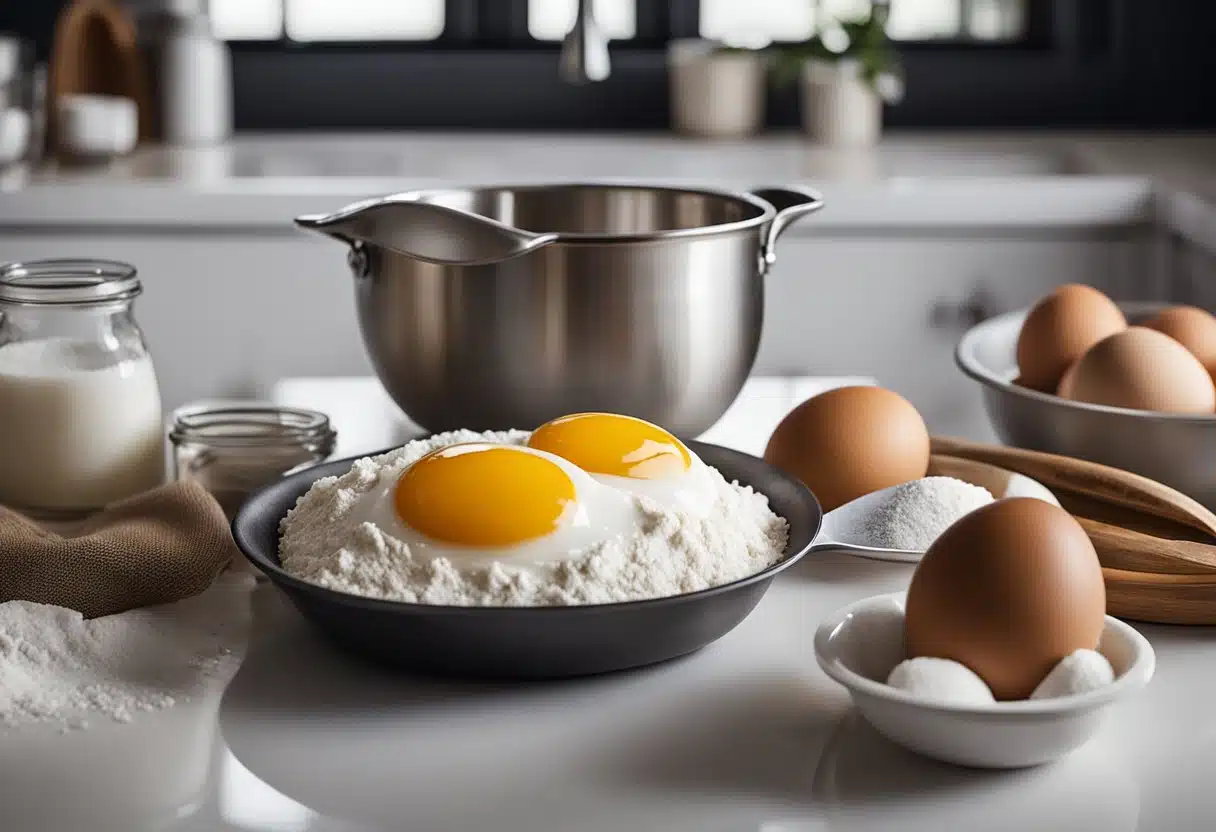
95, 51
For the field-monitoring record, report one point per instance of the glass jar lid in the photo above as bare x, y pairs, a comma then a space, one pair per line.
69, 282
250, 426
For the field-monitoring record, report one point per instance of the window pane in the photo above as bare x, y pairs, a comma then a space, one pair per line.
924, 20
995, 19
364, 19
552, 19
247, 19
757, 22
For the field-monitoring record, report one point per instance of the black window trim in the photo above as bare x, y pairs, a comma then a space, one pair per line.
487, 73
1083, 64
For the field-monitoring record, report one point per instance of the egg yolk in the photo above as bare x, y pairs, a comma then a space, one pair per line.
483, 495
608, 443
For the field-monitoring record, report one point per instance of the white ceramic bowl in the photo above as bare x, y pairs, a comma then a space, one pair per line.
97, 126
859, 652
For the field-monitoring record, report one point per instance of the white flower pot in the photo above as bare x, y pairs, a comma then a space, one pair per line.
715, 94
839, 108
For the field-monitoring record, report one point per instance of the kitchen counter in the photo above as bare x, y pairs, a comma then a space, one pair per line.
911, 180
747, 734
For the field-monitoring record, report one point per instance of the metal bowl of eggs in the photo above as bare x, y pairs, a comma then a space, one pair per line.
1168, 437
527, 642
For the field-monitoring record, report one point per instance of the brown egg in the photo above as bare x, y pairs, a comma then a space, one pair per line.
1067, 381
1192, 327
1142, 369
1008, 591
850, 441
1058, 331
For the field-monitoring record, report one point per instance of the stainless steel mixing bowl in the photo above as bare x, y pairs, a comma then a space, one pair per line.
506, 307
1175, 449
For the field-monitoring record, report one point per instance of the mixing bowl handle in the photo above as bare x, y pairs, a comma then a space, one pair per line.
791, 202
425, 231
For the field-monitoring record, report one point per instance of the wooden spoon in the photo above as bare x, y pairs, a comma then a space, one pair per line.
999, 481
1163, 599
1080, 505
1117, 547
1065, 474
1135, 551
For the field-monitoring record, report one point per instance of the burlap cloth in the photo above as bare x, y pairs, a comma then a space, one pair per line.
161, 546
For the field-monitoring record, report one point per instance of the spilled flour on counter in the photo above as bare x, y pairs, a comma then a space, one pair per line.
56, 667
327, 541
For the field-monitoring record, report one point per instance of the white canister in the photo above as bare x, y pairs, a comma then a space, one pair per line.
839, 107
195, 83
714, 92
97, 126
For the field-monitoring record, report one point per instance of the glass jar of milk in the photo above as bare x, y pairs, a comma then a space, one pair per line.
80, 411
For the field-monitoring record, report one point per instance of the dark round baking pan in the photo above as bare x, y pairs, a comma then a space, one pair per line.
528, 642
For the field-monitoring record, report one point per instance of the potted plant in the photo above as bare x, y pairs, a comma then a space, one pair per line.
847, 70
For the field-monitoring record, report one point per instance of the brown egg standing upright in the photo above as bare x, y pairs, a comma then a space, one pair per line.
1009, 590
850, 441
1058, 331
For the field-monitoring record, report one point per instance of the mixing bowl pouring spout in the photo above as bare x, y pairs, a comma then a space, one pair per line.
426, 231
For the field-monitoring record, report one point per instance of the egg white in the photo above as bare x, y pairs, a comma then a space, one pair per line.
598, 513
691, 491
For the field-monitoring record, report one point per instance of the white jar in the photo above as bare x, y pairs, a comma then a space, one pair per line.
195, 69
80, 409
715, 93
839, 107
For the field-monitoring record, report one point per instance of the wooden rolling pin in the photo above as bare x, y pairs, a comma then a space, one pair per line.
1089, 480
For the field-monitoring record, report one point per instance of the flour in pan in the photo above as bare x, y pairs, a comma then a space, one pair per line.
326, 542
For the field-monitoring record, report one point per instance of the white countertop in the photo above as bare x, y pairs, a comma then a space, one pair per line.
747, 734
911, 180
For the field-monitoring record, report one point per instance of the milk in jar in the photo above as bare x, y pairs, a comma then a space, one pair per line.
80, 411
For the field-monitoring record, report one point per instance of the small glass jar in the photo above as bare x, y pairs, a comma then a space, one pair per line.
80, 410
233, 450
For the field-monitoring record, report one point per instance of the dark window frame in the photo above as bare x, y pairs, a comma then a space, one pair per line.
486, 72
1084, 63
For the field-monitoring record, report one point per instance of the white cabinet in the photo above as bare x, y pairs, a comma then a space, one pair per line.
894, 307
228, 313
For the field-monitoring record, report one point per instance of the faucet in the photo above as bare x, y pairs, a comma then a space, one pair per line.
584, 56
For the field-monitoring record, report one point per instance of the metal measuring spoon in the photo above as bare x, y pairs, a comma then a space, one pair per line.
842, 527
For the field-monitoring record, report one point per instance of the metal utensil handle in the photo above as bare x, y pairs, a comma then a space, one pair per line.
792, 202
